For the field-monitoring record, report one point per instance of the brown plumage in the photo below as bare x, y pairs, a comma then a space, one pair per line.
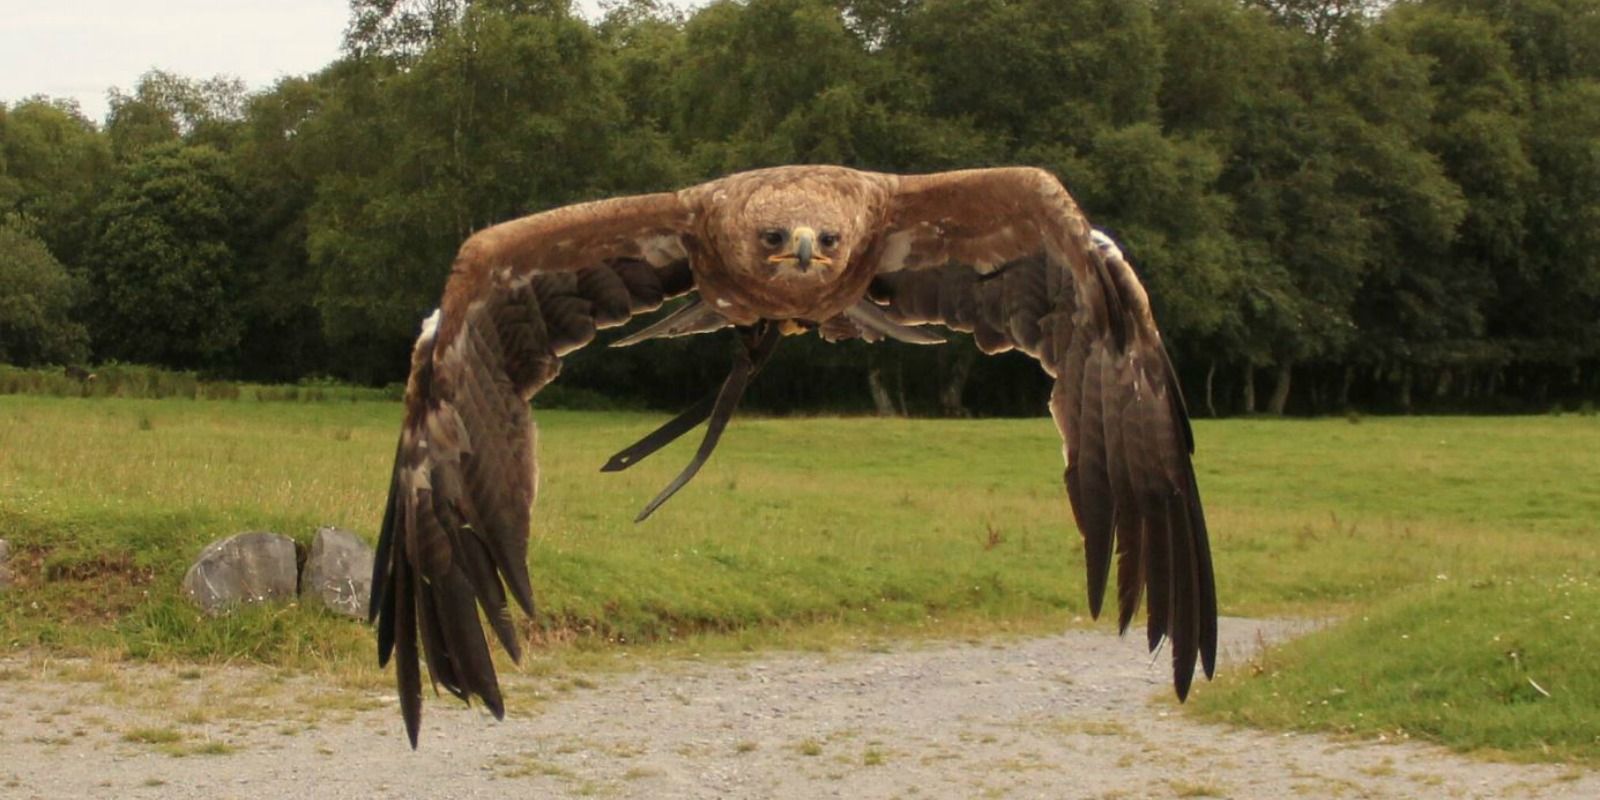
1004, 254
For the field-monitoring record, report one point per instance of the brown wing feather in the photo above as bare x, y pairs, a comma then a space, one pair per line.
455, 531
1048, 290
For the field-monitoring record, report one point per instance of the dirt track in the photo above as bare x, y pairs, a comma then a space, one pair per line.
1082, 714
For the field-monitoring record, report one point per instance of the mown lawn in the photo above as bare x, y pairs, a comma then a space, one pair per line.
1461, 553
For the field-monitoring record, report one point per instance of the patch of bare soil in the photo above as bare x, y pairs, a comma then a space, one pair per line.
1082, 714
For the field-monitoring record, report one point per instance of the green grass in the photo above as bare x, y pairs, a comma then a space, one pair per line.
1495, 665
1463, 555
1451, 531
152, 736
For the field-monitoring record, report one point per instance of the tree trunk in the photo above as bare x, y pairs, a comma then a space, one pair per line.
1211, 373
1344, 386
1442, 388
880, 393
1249, 389
950, 393
1405, 389
1280, 389
900, 386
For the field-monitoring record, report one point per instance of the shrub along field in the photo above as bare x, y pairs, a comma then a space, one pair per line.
1460, 554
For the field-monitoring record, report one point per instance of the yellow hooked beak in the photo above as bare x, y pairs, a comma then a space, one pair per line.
802, 251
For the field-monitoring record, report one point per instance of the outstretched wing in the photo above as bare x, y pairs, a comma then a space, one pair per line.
1005, 254
455, 531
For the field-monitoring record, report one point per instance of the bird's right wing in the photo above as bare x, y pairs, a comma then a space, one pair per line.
455, 530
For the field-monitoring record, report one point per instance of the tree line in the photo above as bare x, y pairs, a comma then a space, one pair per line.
1335, 203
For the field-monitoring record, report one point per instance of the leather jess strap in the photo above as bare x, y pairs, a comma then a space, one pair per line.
757, 342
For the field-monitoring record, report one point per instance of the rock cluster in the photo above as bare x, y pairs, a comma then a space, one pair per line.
261, 566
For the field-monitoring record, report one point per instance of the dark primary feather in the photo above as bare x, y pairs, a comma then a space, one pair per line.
454, 534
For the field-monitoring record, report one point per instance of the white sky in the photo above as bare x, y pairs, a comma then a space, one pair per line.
82, 48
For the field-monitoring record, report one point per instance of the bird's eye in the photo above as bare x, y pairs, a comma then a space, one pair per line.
828, 239
772, 238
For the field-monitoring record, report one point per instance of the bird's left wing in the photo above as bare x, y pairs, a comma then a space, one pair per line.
455, 531
1005, 254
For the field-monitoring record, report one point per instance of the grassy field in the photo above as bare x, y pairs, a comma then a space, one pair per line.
1460, 553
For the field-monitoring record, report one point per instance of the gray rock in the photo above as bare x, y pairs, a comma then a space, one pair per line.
5, 572
250, 567
338, 573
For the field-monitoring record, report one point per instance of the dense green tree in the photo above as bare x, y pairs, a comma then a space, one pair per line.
646, 46
1551, 41
399, 29
164, 108
1555, 56
1562, 249
1297, 238
1426, 312
36, 297
163, 263
511, 109
769, 82
53, 163
1324, 20
1040, 70
354, 237
282, 336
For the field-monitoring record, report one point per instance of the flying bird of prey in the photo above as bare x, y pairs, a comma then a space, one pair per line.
1003, 254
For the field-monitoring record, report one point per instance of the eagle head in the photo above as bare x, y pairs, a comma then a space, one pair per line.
786, 247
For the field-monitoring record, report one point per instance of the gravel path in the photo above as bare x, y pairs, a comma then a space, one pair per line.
1082, 714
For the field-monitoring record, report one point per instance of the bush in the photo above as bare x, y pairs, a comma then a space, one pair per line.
137, 381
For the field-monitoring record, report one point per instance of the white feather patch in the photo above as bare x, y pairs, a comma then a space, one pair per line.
1105, 245
516, 283
662, 250
430, 326
446, 428
896, 248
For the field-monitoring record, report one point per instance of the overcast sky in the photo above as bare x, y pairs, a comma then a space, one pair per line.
81, 48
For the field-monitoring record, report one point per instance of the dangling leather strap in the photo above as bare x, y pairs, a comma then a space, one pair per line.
758, 342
